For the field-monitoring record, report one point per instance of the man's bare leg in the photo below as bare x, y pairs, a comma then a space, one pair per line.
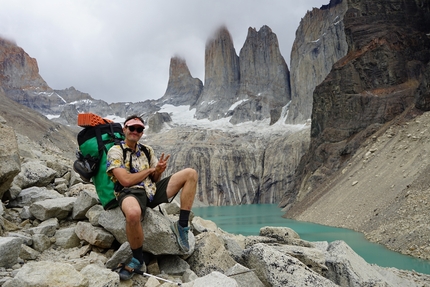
187, 180
133, 226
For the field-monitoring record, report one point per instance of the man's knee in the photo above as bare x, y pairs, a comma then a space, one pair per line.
192, 174
133, 215
131, 210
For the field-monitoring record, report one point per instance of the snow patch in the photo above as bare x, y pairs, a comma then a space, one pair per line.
81, 101
233, 106
184, 116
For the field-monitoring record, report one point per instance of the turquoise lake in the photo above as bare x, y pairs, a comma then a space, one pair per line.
248, 219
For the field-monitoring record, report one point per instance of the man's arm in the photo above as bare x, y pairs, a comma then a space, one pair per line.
128, 179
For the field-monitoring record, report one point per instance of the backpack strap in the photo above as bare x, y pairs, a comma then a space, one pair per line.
146, 152
102, 144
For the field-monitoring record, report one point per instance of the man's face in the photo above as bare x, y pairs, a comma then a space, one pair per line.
133, 133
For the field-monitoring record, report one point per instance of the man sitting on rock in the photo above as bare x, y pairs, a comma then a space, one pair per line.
138, 184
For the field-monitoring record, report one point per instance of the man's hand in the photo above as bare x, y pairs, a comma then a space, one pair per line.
161, 167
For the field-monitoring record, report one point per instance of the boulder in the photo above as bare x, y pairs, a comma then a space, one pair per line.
94, 235
32, 194
159, 238
85, 200
9, 157
275, 268
48, 274
34, 173
49, 208
210, 255
9, 251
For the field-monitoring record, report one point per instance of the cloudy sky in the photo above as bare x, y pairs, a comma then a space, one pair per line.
120, 50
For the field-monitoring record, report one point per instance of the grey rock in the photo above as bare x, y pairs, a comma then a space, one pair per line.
49, 208
67, 238
34, 173
41, 242
281, 234
47, 227
252, 240
275, 268
94, 235
61, 188
25, 213
346, 268
114, 221
157, 121
159, 238
62, 168
244, 277
173, 265
122, 255
47, 273
311, 257
189, 276
33, 194
26, 239
98, 276
213, 279
284, 235
60, 180
13, 191
210, 255
9, 251
28, 253
83, 203
201, 225
93, 214
9, 157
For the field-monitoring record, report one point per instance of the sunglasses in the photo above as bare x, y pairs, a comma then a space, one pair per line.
137, 129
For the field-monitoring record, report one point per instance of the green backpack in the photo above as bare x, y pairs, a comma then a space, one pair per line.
94, 143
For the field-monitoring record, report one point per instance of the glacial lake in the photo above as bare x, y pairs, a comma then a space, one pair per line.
248, 219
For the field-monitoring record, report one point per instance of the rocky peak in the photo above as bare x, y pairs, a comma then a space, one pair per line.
18, 69
182, 88
72, 95
263, 71
221, 76
320, 42
253, 86
20, 79
264, 77
382, 78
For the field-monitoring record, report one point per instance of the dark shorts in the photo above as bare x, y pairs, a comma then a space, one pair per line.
140, 195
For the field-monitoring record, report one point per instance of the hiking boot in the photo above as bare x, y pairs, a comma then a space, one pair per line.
181, 234
127, 271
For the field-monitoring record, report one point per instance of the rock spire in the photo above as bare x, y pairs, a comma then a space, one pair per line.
182, 88
264, 77
221, 76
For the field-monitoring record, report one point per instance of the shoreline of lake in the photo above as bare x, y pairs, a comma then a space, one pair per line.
248, 219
